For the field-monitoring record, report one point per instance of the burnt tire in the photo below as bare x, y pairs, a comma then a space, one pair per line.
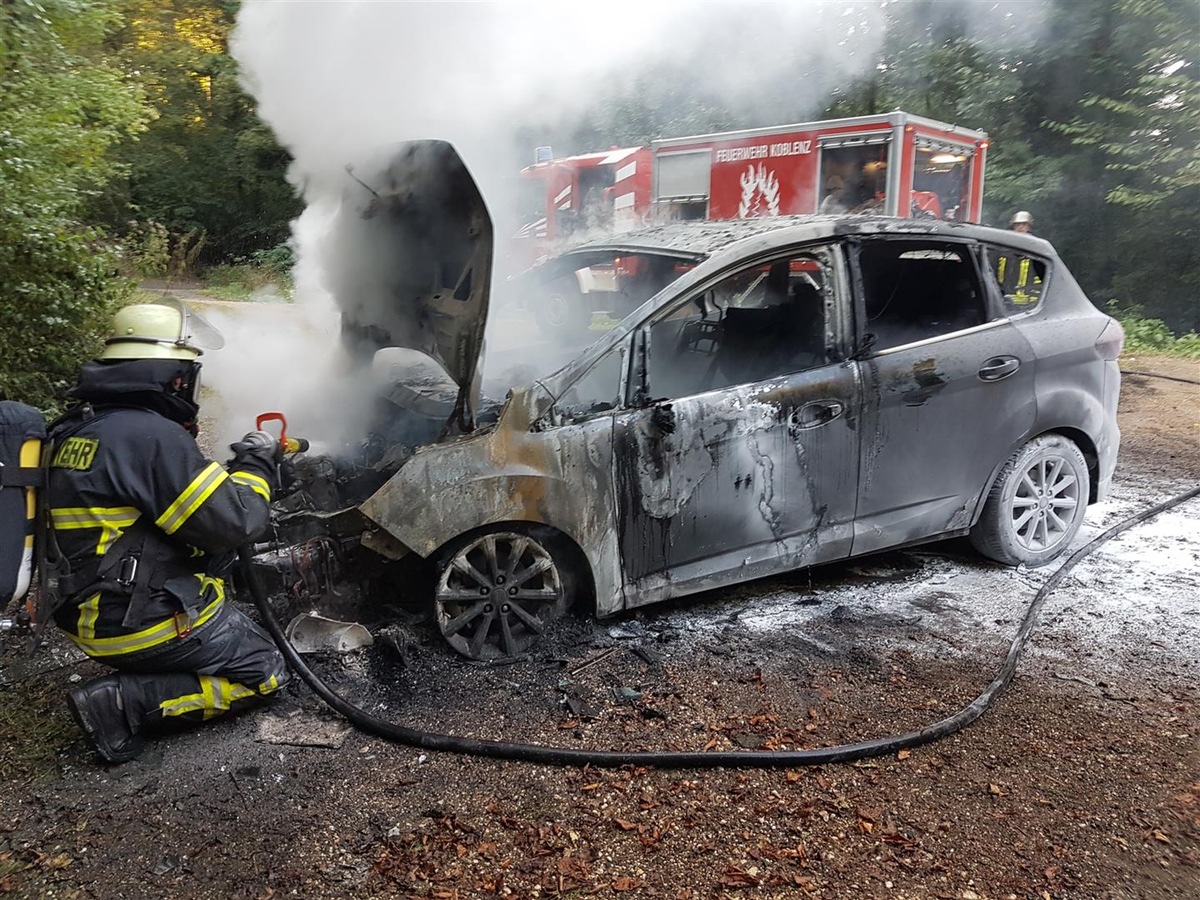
496, 591
1036, 505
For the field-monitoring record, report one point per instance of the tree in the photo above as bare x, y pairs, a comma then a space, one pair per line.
62, 107
206, 166
1146, 132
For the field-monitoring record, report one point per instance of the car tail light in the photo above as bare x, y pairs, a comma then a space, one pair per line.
1111, 340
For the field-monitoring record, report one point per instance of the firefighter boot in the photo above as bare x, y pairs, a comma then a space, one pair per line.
99, 710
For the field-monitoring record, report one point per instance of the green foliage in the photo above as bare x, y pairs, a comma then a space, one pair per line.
206, 166
147, 248
242, 281
58, 291
278, 261
1145, 335
62, 107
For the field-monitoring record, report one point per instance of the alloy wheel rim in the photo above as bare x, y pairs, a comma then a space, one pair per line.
1044, 504
497, 595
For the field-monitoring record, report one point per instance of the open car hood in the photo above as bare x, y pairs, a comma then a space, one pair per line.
410, 262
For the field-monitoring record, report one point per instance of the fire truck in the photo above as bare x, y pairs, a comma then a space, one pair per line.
893, 164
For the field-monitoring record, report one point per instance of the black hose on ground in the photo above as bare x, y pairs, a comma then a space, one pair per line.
1156, 375
678, 759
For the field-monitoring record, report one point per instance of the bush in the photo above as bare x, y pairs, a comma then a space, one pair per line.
59, 290
1143, 335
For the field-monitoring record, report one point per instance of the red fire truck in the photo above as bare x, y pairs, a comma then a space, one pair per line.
894, 164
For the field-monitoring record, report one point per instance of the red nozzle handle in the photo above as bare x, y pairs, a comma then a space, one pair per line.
273, 417
289, 445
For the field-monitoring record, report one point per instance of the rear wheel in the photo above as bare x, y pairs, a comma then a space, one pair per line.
1036, 506
564, 313
496, 592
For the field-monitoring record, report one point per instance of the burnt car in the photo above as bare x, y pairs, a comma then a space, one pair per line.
803, 390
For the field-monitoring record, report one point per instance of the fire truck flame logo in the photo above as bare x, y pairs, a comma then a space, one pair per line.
760, 193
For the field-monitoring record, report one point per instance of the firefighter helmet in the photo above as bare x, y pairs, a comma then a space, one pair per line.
166, 330
1021, 217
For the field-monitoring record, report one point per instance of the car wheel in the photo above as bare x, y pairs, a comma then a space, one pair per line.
564, 313
1036, 505
496, 592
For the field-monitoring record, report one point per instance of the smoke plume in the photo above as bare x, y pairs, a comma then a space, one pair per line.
338, 81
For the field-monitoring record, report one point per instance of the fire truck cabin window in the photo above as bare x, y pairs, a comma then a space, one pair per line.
761, 322
1019, 276
915, 290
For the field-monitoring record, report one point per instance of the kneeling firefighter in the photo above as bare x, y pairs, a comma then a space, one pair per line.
142, 534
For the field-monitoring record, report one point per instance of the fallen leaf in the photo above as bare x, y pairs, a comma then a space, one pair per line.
904, 754
995, 791
1160, 837
625, 883
624, 824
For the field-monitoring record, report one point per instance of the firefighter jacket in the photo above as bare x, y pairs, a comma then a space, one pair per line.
146, 526
1019, 278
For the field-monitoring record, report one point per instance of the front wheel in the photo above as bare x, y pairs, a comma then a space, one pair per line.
496, 592
1036, 506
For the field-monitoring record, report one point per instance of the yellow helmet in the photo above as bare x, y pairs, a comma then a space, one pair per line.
162, 330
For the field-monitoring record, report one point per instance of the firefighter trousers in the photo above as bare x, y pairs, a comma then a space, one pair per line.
227, 663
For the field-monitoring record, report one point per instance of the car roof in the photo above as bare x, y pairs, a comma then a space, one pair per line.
705, 237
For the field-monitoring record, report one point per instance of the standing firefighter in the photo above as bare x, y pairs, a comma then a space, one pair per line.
143, 533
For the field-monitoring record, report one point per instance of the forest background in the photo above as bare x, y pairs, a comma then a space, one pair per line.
130, 149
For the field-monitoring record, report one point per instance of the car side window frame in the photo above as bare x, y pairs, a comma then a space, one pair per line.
866, 342
837, 319
1008, 308
562, 413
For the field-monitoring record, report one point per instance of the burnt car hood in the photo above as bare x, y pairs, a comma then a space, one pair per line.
410, 260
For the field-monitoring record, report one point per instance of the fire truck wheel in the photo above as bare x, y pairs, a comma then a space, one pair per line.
497, 591
564, 313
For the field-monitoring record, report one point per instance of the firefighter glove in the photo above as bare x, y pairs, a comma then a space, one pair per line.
260, 453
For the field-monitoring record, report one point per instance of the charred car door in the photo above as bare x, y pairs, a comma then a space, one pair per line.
948, 388
737, 454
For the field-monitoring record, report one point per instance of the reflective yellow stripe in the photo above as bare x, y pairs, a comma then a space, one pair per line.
216, 695
111, 521
192, 496
141, 640
254, 482
270, 685
1001, 265
1023, 272
89, 611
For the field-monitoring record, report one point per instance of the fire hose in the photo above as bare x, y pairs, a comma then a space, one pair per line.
678, 759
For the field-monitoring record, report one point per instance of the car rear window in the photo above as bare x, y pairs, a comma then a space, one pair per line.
1019, 276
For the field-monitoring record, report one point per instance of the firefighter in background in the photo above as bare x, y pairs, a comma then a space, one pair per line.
143, 534
1021, 221
1019, 276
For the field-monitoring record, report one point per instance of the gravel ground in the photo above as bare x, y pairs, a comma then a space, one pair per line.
1082, 782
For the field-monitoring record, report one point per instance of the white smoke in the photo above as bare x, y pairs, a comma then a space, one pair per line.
338, 81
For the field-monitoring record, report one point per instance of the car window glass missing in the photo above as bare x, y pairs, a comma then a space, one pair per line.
760, 322
1019, 276
598, 391
915, 290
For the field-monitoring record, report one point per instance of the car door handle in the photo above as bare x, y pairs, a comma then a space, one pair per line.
810, 415
999, 367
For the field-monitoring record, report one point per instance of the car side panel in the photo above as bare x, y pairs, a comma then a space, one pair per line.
934, 432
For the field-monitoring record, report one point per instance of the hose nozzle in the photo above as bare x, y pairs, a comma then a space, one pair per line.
289, 444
